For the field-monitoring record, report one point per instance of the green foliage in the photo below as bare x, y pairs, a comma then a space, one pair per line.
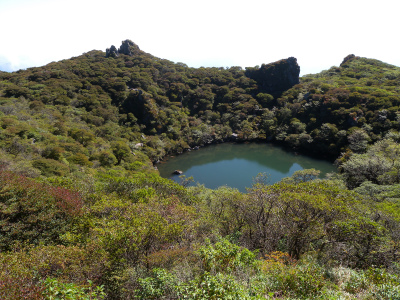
120, 150
379, 165
53, 152
302, 280
387, 292
82, 136
80, 159
303, 176
34, 212
358, 141
107, 159
224, 256
33, 271
69, 291
124, 187
95, 125
50, 167
365, 241
92, 96
130, 231
219, 286
160, 285
373, 283
265, 99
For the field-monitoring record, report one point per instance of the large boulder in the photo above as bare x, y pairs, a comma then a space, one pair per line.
277, 77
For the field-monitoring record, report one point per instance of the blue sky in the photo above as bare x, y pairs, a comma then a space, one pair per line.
201, 33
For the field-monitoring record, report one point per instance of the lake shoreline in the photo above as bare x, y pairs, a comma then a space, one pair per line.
234, 163
282, 145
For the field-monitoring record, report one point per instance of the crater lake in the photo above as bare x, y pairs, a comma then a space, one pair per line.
236, 165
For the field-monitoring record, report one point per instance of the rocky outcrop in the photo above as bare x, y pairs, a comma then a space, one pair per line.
112, 51
127, 48
348, 58
277, 77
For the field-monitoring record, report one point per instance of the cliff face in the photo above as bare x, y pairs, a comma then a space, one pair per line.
277, 77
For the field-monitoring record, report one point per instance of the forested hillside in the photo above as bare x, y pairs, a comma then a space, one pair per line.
85, 215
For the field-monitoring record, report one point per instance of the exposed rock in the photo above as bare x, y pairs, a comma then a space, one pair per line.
138, 145
177, 172
112, 51
127, 47
348, 58
277, 77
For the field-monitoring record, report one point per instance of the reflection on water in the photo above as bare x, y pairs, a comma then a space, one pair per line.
236, 165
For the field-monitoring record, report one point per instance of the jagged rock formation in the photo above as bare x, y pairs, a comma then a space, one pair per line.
348, 58
111, 52
127, 47
276, 77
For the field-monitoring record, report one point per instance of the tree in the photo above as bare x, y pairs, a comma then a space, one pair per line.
50, 167
358, 141
82, 136
305, 175
264, 99
107, 159
380, 165
363, 242
247, 129
120, 150
364, 167
293, 217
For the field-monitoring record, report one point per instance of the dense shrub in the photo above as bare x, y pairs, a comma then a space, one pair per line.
34, 212
52, 271
50, 167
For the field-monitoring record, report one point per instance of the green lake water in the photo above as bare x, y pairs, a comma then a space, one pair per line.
236, 165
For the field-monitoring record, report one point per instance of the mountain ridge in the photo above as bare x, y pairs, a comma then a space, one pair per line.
143, 95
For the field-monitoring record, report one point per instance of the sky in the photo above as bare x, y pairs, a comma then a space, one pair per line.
209, 33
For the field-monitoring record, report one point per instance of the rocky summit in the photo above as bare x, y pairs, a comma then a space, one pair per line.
277, 77
127, 47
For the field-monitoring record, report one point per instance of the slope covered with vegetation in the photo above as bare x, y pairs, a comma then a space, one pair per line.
85, 215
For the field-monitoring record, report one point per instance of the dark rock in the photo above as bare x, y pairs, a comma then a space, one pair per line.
348, 58
277, 77
127, 47
112, 51
177, 172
